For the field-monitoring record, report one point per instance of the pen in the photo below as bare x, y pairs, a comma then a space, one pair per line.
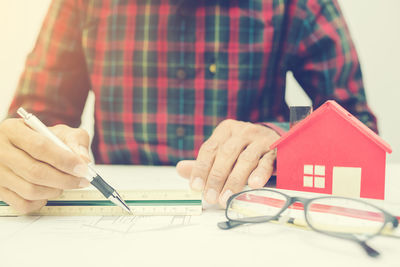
92, 176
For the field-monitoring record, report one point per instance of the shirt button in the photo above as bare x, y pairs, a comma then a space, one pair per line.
213, 68
359, 108
181, 74
369, 124
180, 131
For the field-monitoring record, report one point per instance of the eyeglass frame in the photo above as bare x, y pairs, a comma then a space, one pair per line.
389, 218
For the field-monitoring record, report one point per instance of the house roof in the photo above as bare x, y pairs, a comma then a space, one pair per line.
331, 105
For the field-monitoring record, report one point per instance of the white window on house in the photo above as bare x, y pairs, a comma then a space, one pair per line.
314, 176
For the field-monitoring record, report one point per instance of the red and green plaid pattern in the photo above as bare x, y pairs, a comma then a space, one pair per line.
166, 72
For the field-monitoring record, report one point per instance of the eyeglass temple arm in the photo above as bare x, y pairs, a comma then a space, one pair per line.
229, 224
369, 250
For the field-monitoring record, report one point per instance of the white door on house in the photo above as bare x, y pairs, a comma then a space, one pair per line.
346, 181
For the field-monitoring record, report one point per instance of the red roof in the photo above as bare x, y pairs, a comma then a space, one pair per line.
333, 106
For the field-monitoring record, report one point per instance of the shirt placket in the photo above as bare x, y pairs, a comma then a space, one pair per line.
182, 77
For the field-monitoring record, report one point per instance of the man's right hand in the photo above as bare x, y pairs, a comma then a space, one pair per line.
34, 169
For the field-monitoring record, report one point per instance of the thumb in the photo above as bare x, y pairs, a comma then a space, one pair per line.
76, 138
184, 168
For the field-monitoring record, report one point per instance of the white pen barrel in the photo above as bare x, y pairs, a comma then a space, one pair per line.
38, 126
91, 173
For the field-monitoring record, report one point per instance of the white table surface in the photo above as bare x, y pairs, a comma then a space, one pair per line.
181, 241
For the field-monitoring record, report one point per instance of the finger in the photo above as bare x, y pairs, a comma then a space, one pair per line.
224, 160
184, 168
37, 172
245, 164
206, 156
18, 203
263, 171
76, 138
25, 189
43, 149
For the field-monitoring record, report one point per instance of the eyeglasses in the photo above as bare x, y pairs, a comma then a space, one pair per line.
341, 217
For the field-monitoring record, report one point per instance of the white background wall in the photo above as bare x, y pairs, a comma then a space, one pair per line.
375, 27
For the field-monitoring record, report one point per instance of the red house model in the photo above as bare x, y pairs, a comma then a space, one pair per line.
332, 152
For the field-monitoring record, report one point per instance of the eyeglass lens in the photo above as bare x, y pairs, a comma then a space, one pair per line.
342, 215
330, 214
256, 205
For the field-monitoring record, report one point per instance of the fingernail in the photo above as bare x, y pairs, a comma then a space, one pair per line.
211, 196
83, 151
256, 180
84, 183
80, 170
197, 184
225, 196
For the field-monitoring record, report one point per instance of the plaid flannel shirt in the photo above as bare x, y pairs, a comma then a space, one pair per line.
165, 72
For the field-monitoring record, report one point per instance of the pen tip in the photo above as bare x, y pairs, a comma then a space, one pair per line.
124, 205
127, 209
118, 201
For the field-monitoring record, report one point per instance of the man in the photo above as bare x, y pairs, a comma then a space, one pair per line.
173, 80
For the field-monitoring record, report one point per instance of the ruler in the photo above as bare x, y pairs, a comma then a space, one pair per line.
92, 203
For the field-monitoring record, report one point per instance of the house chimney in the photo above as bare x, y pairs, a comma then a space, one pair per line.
298, 113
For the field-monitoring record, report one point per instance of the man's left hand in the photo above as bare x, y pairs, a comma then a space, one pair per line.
235, 154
